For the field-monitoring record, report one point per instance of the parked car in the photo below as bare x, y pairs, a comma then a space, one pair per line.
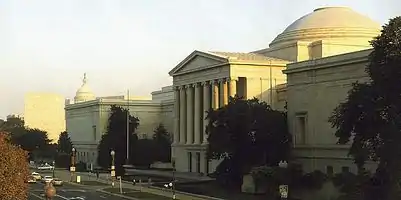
31, 179
47, 179
36, 175
45, 167
57, 182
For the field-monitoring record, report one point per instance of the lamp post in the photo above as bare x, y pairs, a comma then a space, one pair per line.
283, 188
72, 168
172, 185
113, 172
54, 166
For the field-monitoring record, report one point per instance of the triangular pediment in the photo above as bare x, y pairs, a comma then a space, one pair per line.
198, 60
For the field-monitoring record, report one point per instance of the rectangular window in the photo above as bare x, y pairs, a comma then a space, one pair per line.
94, 132
344, 169
329, 171
190, 161
301, 128
198, 162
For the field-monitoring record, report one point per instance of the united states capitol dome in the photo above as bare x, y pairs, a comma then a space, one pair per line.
84, 93
329, 23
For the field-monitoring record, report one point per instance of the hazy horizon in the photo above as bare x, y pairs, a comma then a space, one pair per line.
47, 45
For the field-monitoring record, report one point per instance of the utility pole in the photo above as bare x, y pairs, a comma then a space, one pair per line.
127, 160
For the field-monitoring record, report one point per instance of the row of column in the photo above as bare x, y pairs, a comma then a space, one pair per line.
192, 101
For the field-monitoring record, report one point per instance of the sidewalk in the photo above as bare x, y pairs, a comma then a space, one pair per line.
180, 175
106, 178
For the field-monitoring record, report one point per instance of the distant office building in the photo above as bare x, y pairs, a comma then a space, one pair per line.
45, 111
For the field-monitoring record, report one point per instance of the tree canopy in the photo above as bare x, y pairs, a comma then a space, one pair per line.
247, 133
162, 143
116, 138
371, 115
14, 170
64, 144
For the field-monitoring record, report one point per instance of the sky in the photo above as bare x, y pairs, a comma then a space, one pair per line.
47, 45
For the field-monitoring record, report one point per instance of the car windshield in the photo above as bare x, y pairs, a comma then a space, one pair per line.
48, 177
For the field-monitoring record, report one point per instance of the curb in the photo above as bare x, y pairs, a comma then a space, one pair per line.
118, 195
187, 194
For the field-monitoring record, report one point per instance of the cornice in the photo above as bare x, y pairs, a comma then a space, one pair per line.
327, 62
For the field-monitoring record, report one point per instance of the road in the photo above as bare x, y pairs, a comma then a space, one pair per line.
68, 191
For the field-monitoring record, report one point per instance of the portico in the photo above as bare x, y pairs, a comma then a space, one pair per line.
204, 81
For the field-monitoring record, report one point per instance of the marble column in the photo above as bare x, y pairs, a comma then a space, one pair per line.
183, 114
233, 87
206, 107
176, 115
215, 94
190, 114
198, 113
223, 92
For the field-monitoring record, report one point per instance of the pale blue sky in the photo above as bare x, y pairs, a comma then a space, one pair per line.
47, 45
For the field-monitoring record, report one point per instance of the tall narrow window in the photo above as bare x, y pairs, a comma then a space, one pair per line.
198, 162
190, 161
301, 128
94, 132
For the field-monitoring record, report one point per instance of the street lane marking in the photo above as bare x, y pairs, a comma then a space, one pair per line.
37, 196
103, 197
61, 197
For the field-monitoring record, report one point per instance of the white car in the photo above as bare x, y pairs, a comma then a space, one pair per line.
36, 175
31, 179
45, 167
47, 179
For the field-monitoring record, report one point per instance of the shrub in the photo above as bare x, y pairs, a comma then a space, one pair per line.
314, 180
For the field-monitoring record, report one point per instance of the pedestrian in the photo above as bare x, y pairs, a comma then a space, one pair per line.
97, 174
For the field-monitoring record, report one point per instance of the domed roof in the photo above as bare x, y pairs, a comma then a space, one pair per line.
84, 93
329, 22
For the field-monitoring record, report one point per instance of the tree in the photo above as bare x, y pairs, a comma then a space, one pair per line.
370, 117
64, 144
14, 126
116, 137
14, 170
246, 133
33, 139
162, 143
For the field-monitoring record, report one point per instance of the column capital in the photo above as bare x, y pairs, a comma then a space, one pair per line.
196, 85
203, 83
222, 80
181, 87
176, 87
188, 86
233, 79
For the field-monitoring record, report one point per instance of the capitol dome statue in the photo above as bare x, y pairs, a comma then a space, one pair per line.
84, 93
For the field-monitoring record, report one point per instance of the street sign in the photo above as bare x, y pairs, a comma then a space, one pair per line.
72, 169
78, 179
113, 173
283, 191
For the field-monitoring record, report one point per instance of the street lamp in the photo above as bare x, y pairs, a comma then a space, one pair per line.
113, 172
283, 188
54, 166
72, 168
172, 185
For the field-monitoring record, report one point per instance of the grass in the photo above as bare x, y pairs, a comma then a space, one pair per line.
92, 183
137, 194
145, 178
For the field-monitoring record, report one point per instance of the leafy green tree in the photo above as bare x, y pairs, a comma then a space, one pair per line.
246, 133
162, 143
14, 126
14, 170
370, 118
116, 137
33, 139
64, 144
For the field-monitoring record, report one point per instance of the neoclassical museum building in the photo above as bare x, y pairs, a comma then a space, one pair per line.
310, 66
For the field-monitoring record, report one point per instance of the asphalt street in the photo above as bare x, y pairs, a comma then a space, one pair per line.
69, 191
